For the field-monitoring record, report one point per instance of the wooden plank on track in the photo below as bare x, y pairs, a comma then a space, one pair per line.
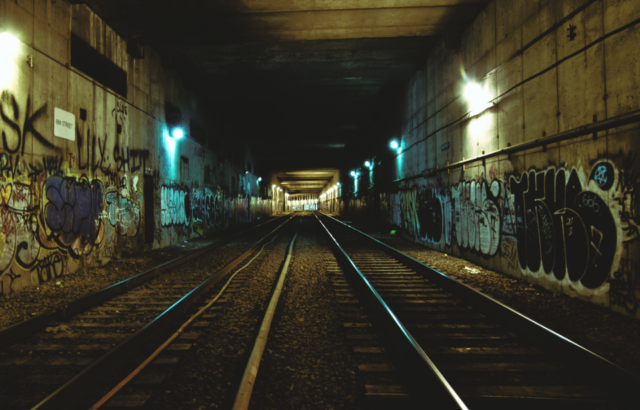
464, 336
452, 326
385, 391
128, 400
531, 391
375, 367
500, 367
502, 351
62, 348
149, 379
368, 350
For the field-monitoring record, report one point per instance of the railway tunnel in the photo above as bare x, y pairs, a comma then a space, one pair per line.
494, 142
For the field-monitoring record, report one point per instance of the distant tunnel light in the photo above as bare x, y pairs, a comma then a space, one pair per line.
177, 133
9, 44
400, 150
367, 164
394, 144
260, 179
353, 174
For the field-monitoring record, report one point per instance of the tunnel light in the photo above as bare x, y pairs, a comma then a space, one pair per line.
477, 98
394, 144
353, 174
338, 183
9, 45
177, 133
400, 150
246, 172
260, 179
367, 164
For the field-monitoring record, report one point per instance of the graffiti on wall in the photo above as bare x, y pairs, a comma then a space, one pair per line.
67, 205
200, 208
565, 224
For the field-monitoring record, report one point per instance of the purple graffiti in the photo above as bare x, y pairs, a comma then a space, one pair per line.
73, 212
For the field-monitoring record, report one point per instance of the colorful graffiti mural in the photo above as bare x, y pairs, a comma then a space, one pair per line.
65, 205
567, 225
199, 208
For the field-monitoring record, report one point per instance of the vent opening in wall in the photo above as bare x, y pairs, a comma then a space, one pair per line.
89, 61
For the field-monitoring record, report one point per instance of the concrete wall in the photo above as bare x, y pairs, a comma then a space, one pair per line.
66, 204
565, 216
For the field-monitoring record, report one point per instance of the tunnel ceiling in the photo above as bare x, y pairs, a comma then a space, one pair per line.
306, 181
295, 79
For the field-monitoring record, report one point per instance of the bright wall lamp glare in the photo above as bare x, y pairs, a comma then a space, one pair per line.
477, 98
367, 164
394, 144
259, 179
177, 133
9, 44
353, 173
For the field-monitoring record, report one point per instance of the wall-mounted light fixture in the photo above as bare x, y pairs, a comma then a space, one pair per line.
395, 145
177, 133
9, 44
259, 179
478, 99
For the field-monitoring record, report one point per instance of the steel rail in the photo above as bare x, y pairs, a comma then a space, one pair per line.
427, 382
21, 330
251, 371
94, 373
621, 382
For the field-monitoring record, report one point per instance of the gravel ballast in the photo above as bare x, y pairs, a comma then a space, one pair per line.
611, 335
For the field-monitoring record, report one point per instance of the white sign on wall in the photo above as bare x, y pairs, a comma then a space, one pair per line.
64, 124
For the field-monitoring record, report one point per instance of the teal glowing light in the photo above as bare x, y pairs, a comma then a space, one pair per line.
394, 144
338, 183
353, 174
260, 179
400, 150
367, 164
177, 133
170, 149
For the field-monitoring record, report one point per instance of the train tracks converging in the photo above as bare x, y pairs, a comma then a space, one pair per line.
206, 331
460, 349
63, 359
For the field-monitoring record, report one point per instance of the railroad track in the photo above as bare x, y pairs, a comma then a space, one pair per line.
461, 349
59, 359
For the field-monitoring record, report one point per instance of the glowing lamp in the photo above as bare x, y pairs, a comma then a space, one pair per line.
177, 133
476, 97
338, 183
400, 150
367, 164
9, 44
353, 174
260, 179
394, 144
